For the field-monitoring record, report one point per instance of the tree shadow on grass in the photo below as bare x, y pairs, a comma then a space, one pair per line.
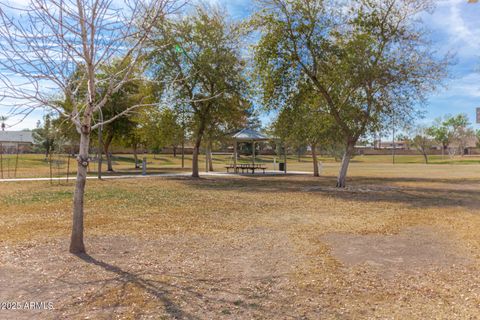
149, 286
198, 293
164, 160
447, 192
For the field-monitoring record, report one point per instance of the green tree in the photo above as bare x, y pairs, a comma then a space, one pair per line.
440, 133
363, 60
422, 141
133, 138
202, 53
67, 133
170, 130
134, 92
161, 128
300, 124
253, 119
45, 135
459, 133
452, 132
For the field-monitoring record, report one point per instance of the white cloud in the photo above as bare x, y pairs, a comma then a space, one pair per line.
467, 86
456, 23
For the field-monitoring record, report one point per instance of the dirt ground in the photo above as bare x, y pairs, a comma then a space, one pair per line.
247, 248
414, 250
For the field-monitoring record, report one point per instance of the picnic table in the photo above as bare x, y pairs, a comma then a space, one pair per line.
247, 166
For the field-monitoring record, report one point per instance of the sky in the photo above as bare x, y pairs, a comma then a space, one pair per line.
454, 27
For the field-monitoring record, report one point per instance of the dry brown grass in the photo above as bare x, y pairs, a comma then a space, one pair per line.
35, 165
246, 247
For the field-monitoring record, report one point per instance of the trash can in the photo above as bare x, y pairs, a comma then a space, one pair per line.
281, 166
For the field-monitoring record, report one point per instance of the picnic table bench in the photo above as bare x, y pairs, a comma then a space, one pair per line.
247, 166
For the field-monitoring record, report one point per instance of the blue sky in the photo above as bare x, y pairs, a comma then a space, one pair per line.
455, 27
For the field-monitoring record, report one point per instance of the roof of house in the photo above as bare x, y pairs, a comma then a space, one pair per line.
16, 137
250, 135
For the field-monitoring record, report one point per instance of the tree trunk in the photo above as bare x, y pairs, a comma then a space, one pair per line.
106, 146
342, 175
196, 152
196, 148
210, 160
315, 161
183, 154
425, 156
109, 160
206, 159
135, 156
76, 241
174, 151
100, 152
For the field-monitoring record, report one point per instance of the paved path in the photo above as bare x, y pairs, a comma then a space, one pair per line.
165, 175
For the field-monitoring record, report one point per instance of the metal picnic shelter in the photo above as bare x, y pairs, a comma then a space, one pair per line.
251, 136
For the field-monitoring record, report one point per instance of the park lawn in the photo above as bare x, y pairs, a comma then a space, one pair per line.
35, 165
250, 247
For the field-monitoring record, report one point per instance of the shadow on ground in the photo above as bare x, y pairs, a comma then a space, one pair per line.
136, 279
412, 192
158, 290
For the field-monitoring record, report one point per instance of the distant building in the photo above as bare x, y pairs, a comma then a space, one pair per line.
470, 146
382, 145
400, 145
10, 140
